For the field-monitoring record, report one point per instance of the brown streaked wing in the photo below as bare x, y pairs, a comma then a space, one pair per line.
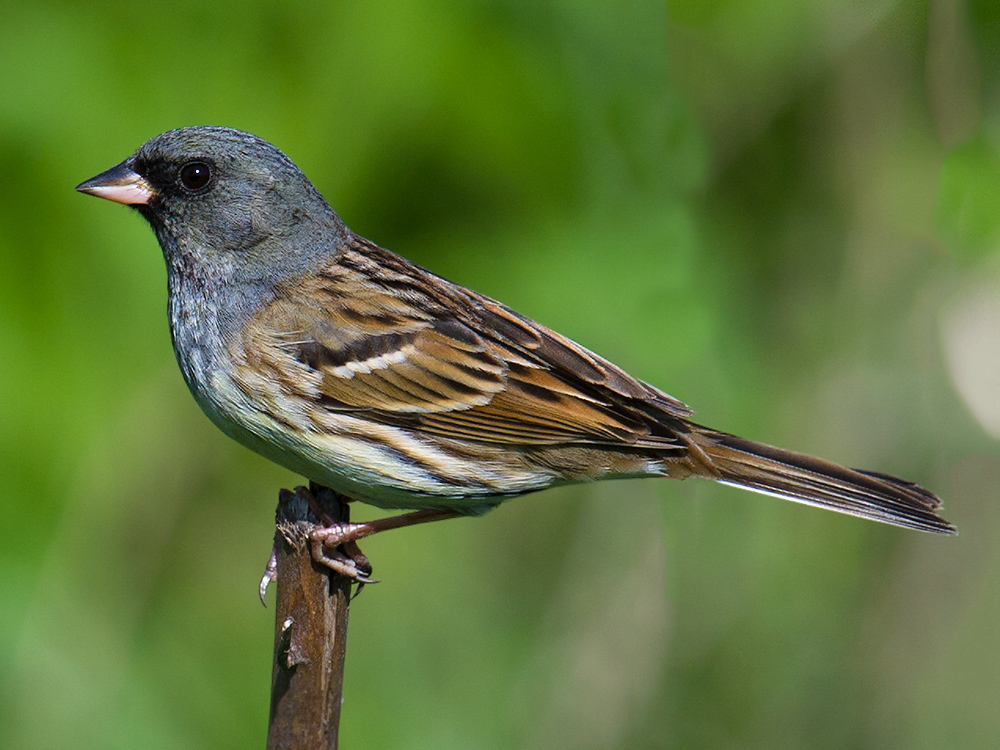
497, 322
535, 407
398, 362
567, 357
411, 349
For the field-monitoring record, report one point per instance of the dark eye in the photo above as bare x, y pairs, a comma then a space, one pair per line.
195, 175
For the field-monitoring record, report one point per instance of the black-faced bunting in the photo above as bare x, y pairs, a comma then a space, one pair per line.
358, 369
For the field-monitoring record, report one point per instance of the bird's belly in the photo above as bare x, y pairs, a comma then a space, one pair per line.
382, 465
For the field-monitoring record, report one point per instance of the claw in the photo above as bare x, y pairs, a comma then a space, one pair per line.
359, 558
270, 574
346, 559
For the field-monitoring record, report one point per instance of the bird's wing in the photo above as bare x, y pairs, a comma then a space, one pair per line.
372, 333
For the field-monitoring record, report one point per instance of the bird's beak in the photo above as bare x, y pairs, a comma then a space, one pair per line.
121, 185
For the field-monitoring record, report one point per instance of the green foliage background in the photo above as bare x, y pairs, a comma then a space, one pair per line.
785, 213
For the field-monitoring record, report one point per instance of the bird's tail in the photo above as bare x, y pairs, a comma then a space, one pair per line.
806, 479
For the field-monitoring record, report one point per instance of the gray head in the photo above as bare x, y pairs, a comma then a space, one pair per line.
224, 203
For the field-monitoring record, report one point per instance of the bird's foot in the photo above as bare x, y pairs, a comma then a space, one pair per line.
330, 545
333, 544
342, 557
341, 538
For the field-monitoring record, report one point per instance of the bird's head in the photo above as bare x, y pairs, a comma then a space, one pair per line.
219, 198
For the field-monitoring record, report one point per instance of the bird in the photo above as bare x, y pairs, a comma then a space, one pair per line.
350, 365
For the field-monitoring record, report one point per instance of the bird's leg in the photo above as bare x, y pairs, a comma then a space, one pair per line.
344, 558
349, 560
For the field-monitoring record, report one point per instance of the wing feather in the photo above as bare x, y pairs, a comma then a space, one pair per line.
382, 336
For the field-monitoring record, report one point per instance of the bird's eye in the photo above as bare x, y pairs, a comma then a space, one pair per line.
195, 175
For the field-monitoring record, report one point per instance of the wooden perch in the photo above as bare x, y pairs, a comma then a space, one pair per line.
310, 639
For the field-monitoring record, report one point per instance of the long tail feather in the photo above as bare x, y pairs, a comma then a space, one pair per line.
806, 479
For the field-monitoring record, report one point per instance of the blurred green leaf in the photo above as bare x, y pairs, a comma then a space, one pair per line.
968, 196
